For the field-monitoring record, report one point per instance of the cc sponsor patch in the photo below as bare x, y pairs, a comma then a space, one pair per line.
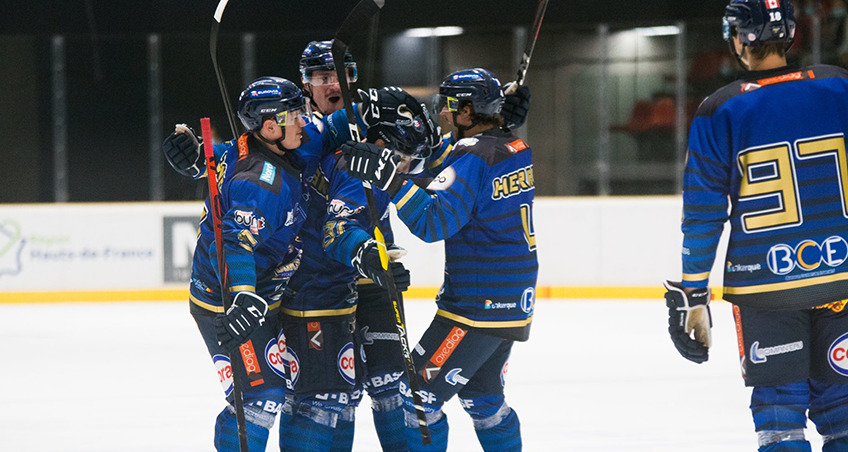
837, 355
347, 363
225, 372
274, 356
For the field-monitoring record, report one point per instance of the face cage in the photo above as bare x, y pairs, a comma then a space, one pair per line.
329, 79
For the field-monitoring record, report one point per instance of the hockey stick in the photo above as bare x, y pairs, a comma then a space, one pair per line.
357, 19
213, 50
215, 208
528, 47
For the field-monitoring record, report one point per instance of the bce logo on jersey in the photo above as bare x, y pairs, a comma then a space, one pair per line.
807, 255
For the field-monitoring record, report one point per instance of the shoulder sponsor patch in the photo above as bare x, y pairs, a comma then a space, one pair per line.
268, 173
516, 146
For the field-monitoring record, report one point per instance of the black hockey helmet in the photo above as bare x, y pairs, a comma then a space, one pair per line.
758, 22
477, 85
408, 134
318, 56
270, 97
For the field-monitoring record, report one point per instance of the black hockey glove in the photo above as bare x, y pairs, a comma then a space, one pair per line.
371, 164
688, 313
366, 260
388, 105
182, 150
516, 105
241, 320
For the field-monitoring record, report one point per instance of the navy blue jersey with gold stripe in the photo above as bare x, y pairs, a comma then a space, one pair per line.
481, 205
261, 193
767, 153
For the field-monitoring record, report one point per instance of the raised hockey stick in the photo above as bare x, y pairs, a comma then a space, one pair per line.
215, 212
528, 47
213, 51
359, 17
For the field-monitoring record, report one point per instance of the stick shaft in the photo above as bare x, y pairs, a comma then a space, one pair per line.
356, 20
215, 211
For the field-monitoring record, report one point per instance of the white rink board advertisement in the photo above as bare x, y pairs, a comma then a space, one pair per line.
582, 242
66, 247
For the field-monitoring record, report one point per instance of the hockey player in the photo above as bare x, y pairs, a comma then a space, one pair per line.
481, 206
772, 144
261, 190
320, 299
374, 315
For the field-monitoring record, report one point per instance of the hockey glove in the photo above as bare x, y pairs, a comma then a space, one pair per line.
689, 313
371, 164
245, 315
516, 105
366, 260
182, 150
389, 105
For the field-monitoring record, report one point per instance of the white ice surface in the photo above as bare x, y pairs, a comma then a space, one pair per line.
596, 375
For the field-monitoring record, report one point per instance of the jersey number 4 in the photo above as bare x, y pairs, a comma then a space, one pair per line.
769, 172
527, 224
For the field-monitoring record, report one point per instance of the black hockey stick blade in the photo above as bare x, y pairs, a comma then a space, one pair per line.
531, 43
213, 51
359, 17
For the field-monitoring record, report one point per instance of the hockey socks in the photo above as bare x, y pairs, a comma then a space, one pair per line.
503, 437
390, 428
780, 417
438, 435
226, 433
829, 411
343, 437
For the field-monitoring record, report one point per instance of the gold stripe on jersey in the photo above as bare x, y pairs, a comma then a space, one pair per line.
441, 158
220, 309
318, 312
785, 285
244, 288
408, 194
485, 323
696, 276
205, 305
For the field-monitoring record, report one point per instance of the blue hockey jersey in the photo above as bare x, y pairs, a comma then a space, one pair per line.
771, 147
337, 222
481, 205
262, 197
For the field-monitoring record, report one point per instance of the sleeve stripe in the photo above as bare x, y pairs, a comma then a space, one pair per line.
696, 276
409, 194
